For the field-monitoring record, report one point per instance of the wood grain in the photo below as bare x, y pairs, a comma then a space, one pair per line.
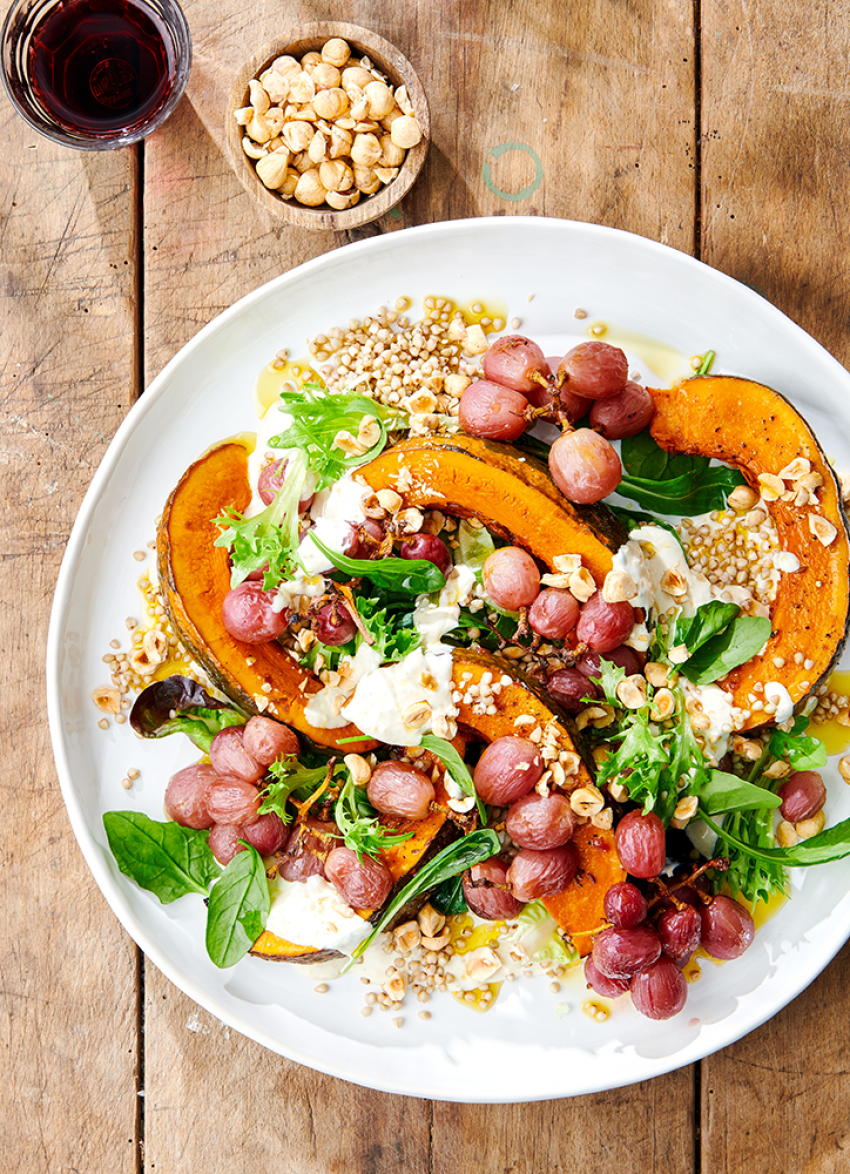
68, 972
774, 215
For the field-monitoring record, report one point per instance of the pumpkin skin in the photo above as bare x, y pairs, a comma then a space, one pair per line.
756, 430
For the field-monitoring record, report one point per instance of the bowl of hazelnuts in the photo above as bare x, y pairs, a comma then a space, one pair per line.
328, 129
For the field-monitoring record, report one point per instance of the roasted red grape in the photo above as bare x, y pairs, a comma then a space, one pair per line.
224, 840
660, 991
334, 625
680, 931
541, 821
534, 873
357, 545
554, 613
727, 928
511, 578
641, 843
232, 800
485, 887
584, 466
268, 834
229, 756
594, 370
569, 687
248, 615
625, 657
624, 414
430, 548
186, 796
308, 847
622, 953
270, 482
625, 906
604, 626
609, 988
267, 740
512, 360
492, 411
364, 884
397, 788
803, 795
507, 770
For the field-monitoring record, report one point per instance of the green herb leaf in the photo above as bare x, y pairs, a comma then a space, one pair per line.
449, 897
270, 536
726, 792
166, 859
706, 365
318, 416
803, 752
363, 834
453, 860
238, 908
709, 619
456, 768
392, 639
828, 845
292, 780
737, 644
416, 576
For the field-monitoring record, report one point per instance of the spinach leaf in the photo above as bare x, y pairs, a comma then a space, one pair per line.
687, 494
828, 845
200, 717
642, 457
449, 897
416, 576
803, 752
238, 908
456, 768
726, 792
453, 860
708, 620
735, 645
166, 859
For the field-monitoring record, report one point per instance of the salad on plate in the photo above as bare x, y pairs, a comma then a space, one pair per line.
497, 664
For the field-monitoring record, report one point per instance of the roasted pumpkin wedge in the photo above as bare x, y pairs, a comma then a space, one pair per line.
430, 836
512, 495
521, 707
579, 910
195, 578
756, 430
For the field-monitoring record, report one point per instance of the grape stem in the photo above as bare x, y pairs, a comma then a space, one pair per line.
721, 863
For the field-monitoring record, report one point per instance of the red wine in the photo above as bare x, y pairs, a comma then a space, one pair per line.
100, 66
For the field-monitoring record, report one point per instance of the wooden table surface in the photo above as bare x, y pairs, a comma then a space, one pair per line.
720, 127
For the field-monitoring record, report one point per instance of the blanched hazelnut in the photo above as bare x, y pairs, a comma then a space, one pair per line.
336, 51
339, 201
326, 76
391, 154
331, 103
381, 100
366, 181
406, 131
273, 169
309, 190
336, 176
353, 75
365, 150
297, 135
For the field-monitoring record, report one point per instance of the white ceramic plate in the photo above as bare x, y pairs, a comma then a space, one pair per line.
527, 1047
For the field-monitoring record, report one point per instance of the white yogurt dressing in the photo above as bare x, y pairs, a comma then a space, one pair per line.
435, 620
312, 913
385, 695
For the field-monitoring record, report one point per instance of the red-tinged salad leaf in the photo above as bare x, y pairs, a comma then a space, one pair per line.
179, 705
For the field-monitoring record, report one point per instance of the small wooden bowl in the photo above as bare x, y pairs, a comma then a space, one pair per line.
389, 61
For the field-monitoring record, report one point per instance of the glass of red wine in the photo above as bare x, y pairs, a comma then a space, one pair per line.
95, 74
